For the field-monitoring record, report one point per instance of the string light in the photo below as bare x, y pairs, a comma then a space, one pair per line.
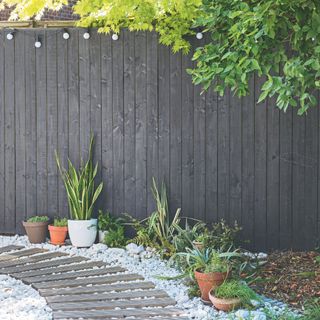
86, 35
199, 35
38, 43
115, 37
65, 35
10, 35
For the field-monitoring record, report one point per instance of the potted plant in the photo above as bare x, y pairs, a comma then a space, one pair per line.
209, 267
106, 224
82, 195
58, 231
199, 241
231, 294
36, 228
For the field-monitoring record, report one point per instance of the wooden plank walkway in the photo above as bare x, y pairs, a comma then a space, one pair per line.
77, 288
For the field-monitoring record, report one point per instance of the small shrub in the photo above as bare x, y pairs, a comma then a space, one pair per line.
60, 222
235, 289
38, 219
115, 237
107, 222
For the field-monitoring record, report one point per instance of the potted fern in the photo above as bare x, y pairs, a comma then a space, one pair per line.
82, 195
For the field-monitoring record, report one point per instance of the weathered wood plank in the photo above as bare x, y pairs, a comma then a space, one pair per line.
86, 281
107, 296
65, 268
106, 305
122, 313
32, 265
97, 288
10, 248
73, 275
2, 131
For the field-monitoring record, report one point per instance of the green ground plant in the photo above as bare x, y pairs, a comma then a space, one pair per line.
38, 219
115, 237
60, 222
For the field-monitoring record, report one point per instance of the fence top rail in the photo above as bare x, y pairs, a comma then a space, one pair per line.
37, 24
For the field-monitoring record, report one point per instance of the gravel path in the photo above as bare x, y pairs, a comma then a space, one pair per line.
19, 301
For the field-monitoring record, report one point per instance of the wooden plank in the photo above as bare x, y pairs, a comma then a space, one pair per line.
31, 139
85, 92
27, 252
118, 125
164, 113
107, 121
86, 281
211, 141
41, 129
273, 179
140, 124
260, 175
175, 131
66, 268
2, 131
152, 117
187, 143
107, 296
235, 158
10, 248
73, 96
129, 121
285, 179
247, 179
97, 288
20, 124
52, 122
122, 313
9, 139
73, 275
107, 305
40, 265
63, 118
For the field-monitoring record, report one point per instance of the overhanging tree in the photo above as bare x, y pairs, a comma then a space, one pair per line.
277, 39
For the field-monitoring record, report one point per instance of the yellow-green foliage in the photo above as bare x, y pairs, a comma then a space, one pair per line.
172, 19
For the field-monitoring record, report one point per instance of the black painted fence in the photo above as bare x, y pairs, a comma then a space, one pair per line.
220, 157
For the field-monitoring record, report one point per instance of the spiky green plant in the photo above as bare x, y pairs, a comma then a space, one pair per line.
80, 186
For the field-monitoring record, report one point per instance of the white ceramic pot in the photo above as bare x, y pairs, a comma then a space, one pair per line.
102, 235
82, 233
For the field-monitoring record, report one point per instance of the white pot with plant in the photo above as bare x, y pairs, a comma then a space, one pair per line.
82, 195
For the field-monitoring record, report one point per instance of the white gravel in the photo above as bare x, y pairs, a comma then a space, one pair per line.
19, 301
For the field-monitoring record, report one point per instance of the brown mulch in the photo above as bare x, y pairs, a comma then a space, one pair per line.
292, 277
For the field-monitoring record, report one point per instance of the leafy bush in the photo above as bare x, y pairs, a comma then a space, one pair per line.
60, 222
107, 222
235, 289
115, 237
38, 219
80, 186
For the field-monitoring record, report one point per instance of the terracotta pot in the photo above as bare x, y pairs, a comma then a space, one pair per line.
57, 234
208, 281
199, 245
36, 231
224, 304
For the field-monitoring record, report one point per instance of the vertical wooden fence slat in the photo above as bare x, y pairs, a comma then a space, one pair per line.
9, 139
107, 121
187, 134
2, 132
235, 163
20, 120
63, 118
273, 181
52, 120
152, 116
129, 122
95, 104
73, 96
42, 125
141, 117
285, 179
31, 125
118, 127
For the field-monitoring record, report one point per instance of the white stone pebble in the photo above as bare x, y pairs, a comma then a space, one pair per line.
19, 301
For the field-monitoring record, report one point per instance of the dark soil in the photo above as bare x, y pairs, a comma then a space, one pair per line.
292, 277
